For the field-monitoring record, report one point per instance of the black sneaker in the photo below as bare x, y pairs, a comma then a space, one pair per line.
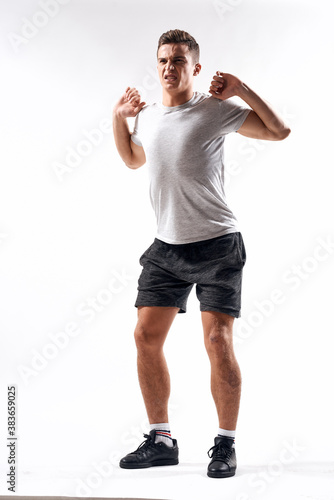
151, 454
224, 461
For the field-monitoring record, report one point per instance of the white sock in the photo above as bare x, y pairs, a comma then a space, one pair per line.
162, 434
226, 433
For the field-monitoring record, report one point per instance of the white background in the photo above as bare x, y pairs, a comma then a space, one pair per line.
65, 236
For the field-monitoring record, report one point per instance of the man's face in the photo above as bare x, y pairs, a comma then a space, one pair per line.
176, 67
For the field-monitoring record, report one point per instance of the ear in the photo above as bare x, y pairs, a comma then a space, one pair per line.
197, 69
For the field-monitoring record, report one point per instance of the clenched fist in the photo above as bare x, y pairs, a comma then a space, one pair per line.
224, 85
129, 104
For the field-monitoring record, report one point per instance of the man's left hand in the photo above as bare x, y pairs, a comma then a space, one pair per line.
224, 85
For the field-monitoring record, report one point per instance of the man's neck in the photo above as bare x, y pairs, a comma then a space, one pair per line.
169, 99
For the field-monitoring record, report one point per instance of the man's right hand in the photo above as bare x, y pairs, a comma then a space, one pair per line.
129, 104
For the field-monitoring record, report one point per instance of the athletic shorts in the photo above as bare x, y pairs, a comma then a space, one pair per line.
215, 266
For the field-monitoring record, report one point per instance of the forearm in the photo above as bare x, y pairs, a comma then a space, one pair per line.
122, 137
272, 121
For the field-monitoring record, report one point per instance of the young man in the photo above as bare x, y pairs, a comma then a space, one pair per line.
198, 240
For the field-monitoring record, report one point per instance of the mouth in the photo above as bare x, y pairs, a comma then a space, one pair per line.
170, 78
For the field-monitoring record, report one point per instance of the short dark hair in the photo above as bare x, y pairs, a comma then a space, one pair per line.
179, 36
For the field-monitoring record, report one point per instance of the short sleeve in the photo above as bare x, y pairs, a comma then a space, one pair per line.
233, 116
135, 134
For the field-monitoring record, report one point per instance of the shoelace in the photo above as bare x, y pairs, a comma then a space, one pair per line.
220, 452
145, 444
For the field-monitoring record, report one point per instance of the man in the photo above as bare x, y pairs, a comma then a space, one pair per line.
198, 240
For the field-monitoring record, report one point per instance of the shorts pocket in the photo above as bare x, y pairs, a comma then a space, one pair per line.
145, 254
241, 249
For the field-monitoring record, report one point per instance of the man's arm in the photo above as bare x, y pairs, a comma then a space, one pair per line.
262, 122
129, 105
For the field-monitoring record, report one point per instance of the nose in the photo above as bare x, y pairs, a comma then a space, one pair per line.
169, 65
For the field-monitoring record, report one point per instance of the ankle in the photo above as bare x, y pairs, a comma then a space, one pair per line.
228, 434
162, 433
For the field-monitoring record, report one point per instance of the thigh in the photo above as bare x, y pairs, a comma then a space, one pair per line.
156, 318
154, 322
217, 323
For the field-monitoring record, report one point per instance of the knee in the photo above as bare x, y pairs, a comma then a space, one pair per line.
220, 338
146, 338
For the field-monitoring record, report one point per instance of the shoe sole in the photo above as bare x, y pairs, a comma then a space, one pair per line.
146, 465
221, 474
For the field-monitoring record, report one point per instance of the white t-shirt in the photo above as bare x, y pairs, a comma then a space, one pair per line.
184, 148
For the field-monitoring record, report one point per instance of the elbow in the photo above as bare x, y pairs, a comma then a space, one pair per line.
133, 165
134, 161
286, 132
128, 161
130, 165
283, 134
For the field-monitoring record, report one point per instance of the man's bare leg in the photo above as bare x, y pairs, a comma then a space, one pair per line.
225, 371
150, 334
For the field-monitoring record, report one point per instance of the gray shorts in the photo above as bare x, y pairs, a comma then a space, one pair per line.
215, 266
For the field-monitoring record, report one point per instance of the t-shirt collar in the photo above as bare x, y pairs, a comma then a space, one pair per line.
180, 106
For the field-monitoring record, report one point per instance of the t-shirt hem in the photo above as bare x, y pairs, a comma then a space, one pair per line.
242, 118
136, 140
197, 239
